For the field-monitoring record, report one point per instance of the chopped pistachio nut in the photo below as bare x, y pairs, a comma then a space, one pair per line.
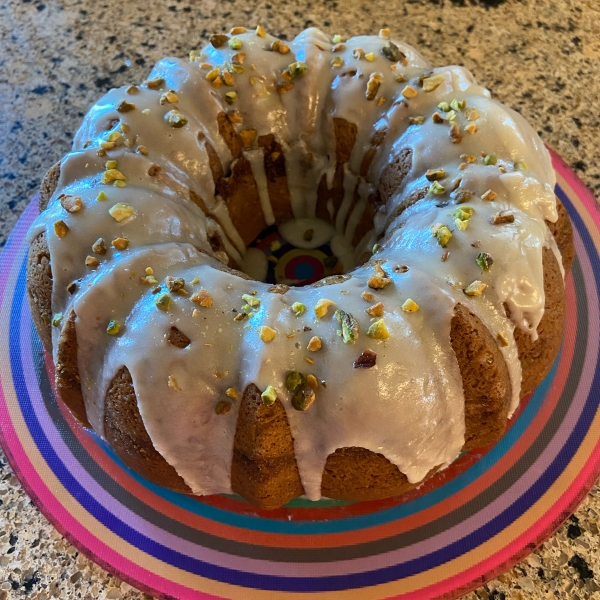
120, 243
490, 159
155, 84
113, 327
174, 284
172, 383
376, 310
462, 195
435, 174
373, 85
119, 183
231, 97
294, 379
212, 75
71, 204
175, 119
349, 325
303, 398
475, 289
338, 48
463, 213
61, 228
251, 300
358, 53
149, 280
410, 306
260, 32
437, 188
218, 39
235, 43
99, 246
378, 282
101, 196
203, 298
471, 128
72, 287
132, 89
368, 296
409, 92
57, 319
91, 261
269, 396
442, 234
472, 114
376, 248
370, 57
502, 339
111, 175
458, 105
149, 271
308, 235
337, 62
314, 344
298, 308
437, 118
228, 78
416, 120
455, 135
163, 302
169, 97
125, 106
485, 261
392, 52
489, 195
232, 393
384, 33
266, 333
141, 149
110, 164
432, 83
366, 360
521, 165
502, 218
322, 306
238, 58
312, 382
223, 407
378, 330
119, 211
444, 106
337, 39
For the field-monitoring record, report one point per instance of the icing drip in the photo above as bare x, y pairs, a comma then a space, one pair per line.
162, 140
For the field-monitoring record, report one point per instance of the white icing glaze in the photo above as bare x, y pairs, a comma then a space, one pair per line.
410, 407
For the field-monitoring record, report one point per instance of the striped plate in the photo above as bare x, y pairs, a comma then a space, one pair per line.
466, 525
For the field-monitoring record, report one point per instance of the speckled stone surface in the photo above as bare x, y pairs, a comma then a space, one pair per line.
539, 56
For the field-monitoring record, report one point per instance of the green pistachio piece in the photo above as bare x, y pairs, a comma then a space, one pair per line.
269, 395
163, 302
298, 308
349, 326
175, 119
113, 328
293, 380
485, 261
303, 398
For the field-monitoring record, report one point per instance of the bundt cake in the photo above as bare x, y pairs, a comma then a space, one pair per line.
437, 200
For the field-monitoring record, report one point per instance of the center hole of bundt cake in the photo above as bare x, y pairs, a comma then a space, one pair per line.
298, 252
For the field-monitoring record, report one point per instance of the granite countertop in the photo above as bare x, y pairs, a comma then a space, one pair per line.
539, 56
